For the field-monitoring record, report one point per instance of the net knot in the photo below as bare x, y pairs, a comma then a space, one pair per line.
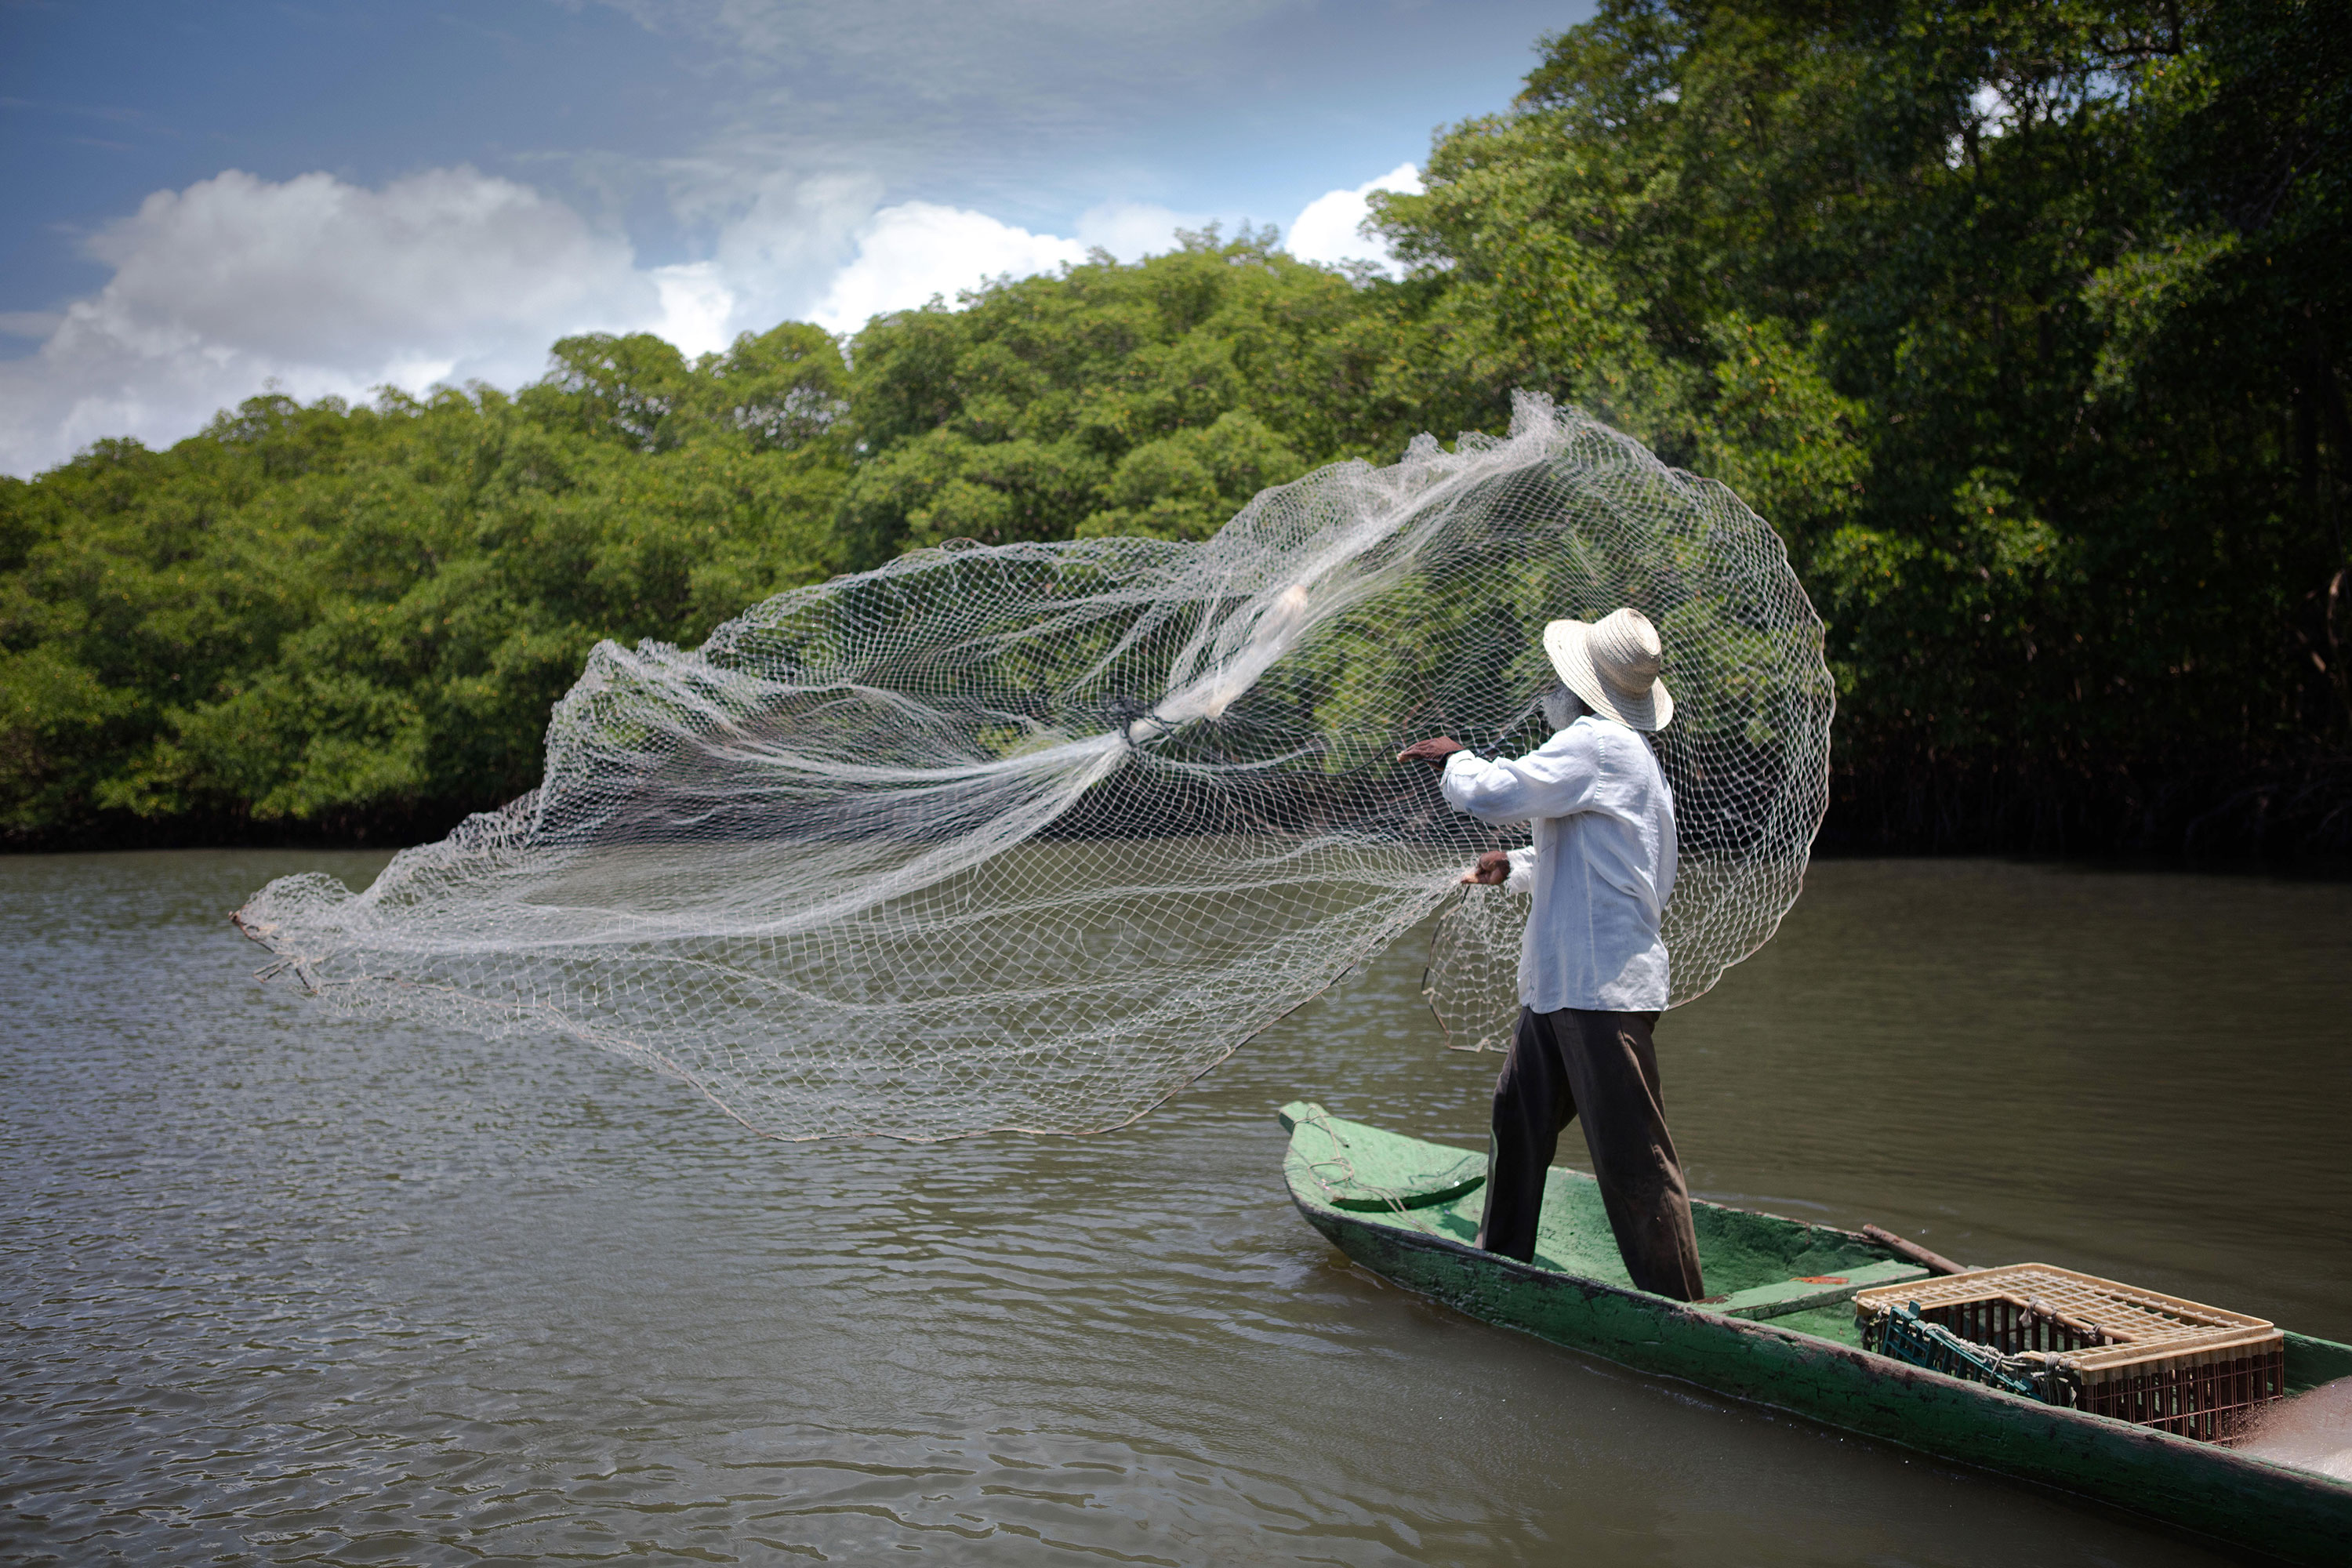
1140, 723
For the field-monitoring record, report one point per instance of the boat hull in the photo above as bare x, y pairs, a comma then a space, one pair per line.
2246, 1503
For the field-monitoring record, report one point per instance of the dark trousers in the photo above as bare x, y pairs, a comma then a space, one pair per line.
1599, 1068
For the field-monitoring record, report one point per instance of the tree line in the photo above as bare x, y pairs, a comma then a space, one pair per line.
2025, 326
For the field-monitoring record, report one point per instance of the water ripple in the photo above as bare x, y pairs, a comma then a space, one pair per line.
286, 1290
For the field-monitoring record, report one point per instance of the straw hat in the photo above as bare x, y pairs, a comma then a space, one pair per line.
1614, 664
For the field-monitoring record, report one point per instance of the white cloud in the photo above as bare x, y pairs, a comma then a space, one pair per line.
327, 288
1327, 228
448, 276
315, 267
781, 242
323, 287
696, 307
909, 253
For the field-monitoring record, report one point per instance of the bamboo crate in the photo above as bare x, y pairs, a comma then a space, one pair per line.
2110, 1349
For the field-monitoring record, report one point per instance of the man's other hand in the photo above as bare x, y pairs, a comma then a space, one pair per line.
1433, 751
1493, 870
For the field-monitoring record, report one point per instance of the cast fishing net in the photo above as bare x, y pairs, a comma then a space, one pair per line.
1028, 836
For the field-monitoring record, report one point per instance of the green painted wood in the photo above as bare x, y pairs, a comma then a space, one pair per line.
1802, 1363
2310, 1362
1364, 1170
1791, 1296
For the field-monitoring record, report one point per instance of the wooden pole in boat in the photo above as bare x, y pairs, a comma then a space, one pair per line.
1913, 1251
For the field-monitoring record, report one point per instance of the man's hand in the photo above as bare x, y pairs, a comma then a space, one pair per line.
1494, 869
1432, 752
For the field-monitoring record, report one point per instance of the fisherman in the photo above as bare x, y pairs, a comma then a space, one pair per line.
1592, 966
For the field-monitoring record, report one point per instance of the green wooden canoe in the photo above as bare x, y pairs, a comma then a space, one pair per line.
1782, 1333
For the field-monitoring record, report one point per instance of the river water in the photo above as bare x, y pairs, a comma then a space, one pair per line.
279, 1289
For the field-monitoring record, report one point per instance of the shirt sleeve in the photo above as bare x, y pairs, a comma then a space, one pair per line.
1522, 878
1556, 779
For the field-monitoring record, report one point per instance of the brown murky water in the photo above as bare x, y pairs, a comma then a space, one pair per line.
282, 1289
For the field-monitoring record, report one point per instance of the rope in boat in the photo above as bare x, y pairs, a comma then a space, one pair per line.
1354, 1185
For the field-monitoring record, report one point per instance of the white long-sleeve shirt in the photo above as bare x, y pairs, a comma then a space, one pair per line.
1600, 869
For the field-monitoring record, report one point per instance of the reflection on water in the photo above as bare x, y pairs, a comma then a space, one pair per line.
283, 1289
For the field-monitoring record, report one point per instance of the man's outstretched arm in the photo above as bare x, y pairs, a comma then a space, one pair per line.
1555, 780
1433, 751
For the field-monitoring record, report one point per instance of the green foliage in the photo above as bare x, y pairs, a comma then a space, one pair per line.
784, 388
344, 615
2026, 326
1152, 399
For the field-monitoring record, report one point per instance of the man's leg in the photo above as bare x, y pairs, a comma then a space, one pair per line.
1613, 1071
1532, 1103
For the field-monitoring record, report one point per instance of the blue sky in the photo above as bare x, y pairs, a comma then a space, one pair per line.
204, 199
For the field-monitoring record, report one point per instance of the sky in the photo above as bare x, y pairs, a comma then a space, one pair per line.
203, 202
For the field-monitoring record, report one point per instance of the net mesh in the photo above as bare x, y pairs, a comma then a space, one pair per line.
1028, 836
